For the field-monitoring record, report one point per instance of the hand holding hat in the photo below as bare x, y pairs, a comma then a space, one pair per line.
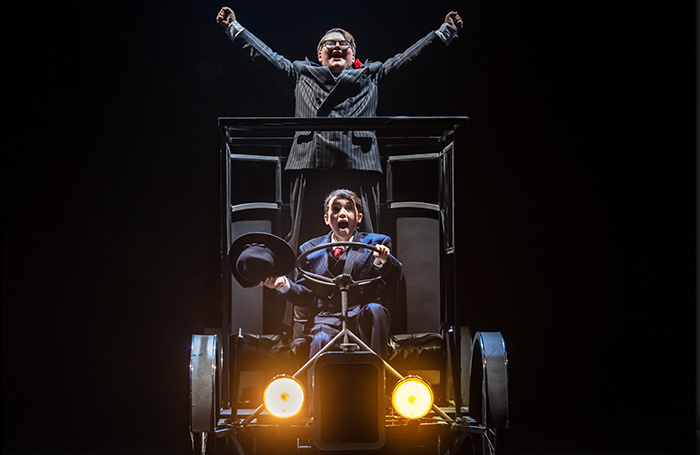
255, 256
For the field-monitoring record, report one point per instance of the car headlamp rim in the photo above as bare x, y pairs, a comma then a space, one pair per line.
289, 387
421, 397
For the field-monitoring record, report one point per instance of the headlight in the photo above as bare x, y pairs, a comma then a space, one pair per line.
412, 397
283, 396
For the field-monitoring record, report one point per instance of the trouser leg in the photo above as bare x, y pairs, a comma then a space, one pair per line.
374, 326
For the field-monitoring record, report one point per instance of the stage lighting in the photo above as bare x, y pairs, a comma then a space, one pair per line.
283, 396
412, 397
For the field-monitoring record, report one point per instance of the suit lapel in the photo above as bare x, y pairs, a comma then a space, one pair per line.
347, 79
323, 265
323, 76
362, 255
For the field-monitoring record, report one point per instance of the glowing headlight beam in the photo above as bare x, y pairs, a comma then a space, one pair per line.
283, 396
412, 397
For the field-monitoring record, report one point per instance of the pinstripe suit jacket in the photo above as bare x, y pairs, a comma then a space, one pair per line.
305, 293
354, 93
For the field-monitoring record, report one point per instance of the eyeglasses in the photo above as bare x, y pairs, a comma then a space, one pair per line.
330, 44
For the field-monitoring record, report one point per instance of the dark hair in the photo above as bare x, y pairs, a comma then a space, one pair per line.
345, 34
343, 193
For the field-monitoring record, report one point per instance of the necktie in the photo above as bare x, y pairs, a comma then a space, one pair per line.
337, 252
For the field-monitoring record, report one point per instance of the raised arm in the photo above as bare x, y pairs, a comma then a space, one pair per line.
281, 69
443, 36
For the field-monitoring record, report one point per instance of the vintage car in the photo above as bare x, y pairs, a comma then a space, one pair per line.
444, 386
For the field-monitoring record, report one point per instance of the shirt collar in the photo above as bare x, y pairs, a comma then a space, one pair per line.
335, 239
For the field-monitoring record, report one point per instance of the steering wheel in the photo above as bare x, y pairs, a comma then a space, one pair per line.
343, 281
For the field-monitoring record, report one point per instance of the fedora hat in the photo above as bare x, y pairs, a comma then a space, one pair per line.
257, 255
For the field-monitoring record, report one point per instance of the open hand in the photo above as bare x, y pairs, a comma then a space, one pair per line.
274, 282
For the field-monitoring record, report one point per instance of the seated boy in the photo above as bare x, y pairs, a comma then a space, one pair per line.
366, 316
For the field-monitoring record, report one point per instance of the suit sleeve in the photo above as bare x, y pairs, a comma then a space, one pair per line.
395, 271
299, 294
282, 69
434, 40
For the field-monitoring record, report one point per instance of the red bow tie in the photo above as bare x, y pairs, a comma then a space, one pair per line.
337, 252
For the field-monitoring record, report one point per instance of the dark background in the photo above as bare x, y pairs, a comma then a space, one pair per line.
576, 234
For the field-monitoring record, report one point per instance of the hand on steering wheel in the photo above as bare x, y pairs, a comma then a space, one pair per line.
342, 281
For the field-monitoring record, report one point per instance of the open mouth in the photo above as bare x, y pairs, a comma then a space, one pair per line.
337, 54
343, 224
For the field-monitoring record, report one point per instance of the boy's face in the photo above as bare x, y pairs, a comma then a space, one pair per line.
337, 58
343, 218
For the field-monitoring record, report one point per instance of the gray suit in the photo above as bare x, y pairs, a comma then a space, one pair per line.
354, 93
